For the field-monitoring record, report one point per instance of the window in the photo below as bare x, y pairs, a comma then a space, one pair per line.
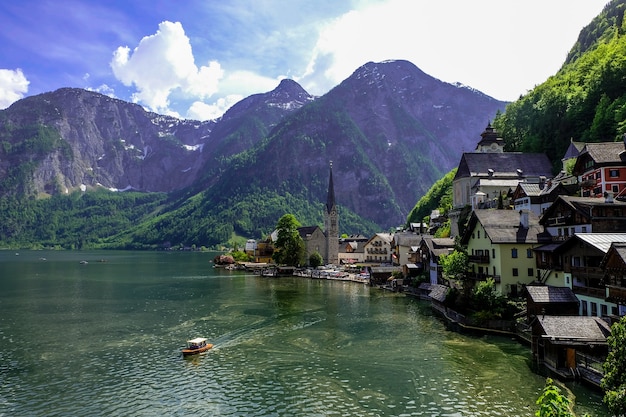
478, 232
514, 253
615, 189
493, 254
529, 253
530, 272
594, 308
583, 303
584, 229
604, 309
598, 175
515, 272
614, 173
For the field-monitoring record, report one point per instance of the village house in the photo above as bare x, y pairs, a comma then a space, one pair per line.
351, 250
601, 168
500, 245
402, 244
614, 266
487, 177
539, 196
548, 300
581, 257
571, 346
378, 250
427, 256
569, 215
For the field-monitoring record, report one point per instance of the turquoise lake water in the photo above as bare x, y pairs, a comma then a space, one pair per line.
104, 338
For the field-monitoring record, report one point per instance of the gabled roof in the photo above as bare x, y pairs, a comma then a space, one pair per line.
504, 226
542, 294
618, 252
387, 237
574, 329
582, 205
307, 230
573, 150
504, 164
438, 246
600, 241
602, 154
407, 239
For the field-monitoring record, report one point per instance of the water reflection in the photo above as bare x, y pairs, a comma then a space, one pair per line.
109, 336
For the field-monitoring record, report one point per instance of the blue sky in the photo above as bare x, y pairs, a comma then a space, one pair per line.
195, 58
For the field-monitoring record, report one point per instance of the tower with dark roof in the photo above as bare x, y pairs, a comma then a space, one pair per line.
331, 223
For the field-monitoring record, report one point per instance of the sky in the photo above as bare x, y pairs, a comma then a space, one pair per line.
196, 58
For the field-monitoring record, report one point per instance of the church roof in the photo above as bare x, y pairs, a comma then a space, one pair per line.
505, 164
330, 199
488, 137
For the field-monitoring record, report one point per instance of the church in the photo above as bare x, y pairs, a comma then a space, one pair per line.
325, 242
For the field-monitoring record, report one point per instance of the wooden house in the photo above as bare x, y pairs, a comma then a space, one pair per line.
553, 301
601, 168
571, 346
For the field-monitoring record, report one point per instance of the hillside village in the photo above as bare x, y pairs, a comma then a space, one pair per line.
556, 242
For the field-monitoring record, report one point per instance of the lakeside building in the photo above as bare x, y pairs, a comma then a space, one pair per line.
601, 168
488, 176
500, 246
331, 224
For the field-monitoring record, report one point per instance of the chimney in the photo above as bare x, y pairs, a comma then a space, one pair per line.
523, 219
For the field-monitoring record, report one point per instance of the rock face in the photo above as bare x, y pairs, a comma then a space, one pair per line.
390, 129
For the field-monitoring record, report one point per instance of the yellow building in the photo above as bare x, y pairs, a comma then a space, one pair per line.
500, 245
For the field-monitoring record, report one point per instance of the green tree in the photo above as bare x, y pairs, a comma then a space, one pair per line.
454, 265
289, 246
315, 259
486, 299
614, 381
552, 403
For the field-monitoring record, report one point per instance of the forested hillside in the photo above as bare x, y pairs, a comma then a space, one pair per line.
585, 101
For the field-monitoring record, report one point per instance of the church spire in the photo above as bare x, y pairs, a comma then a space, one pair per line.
330, 199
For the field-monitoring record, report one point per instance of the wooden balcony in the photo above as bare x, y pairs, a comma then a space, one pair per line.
479, 259
585, 272
590, 292
617, 294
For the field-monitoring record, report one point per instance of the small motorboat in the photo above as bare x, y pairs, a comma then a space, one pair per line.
195, 346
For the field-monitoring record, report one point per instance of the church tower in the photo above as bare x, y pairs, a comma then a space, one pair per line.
331, 223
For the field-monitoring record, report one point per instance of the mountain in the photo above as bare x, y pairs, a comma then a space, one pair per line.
73, 138
390, 129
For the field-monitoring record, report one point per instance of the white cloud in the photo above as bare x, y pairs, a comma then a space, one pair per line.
500, 48
161, 64
13, 86
204, 111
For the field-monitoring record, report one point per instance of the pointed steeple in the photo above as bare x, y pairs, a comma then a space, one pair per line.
330, 199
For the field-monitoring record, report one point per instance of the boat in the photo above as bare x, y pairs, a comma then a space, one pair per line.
195, 346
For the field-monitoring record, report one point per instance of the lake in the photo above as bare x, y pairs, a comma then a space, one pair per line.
100, 333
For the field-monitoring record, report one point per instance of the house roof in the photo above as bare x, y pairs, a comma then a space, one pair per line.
438, 292
573, 150
575, 328
604, 152
618, 250
549, 294
307, 230
407, 239
601, 241
504, 226
581, 205
438, 246
503, 164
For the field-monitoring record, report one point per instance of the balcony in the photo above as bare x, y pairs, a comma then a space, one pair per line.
559, 220
590, 292
617, 294
479, 259
585, 272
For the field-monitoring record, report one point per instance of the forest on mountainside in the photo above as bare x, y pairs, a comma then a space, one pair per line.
584, 102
